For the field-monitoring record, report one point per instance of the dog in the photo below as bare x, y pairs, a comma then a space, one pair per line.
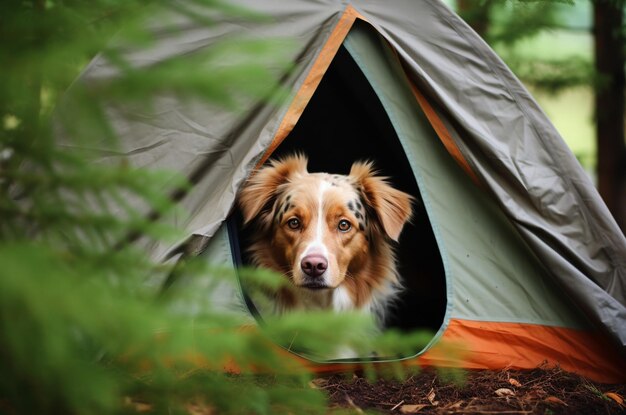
332, 236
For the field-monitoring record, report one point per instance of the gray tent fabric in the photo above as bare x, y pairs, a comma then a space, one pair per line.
521, 158
511, 146
482, 254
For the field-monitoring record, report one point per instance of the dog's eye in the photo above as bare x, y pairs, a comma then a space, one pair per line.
293, 223
344, 225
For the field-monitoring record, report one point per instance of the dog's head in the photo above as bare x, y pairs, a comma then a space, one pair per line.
320, 228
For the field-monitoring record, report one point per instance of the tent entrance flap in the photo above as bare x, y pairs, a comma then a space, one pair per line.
344, 122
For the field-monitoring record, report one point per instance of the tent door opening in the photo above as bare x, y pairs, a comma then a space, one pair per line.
345, 122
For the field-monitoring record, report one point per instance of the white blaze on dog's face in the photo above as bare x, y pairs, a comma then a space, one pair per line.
321, 225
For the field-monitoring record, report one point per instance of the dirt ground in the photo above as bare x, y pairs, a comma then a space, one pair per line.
538, 391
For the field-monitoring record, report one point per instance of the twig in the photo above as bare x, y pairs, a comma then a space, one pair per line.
398, 404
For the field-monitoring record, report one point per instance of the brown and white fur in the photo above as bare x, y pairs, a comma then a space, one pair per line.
331, 235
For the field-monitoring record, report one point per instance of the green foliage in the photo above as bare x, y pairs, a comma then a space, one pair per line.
82, 329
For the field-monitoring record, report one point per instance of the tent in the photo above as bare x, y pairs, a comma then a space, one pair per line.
512, 251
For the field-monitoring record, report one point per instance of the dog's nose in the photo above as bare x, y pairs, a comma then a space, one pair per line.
314, 265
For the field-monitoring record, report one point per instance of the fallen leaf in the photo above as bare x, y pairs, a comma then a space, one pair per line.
431, 397
555, 400
318, 383
411, 409
616, 397
504, 392
515, 383
455, 405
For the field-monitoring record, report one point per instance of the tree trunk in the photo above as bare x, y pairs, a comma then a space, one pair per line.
609, 106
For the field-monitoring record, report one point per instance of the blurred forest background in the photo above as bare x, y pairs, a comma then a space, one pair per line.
80, 330
570, 54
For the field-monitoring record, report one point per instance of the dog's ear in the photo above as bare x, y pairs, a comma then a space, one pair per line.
262, 187
392, 206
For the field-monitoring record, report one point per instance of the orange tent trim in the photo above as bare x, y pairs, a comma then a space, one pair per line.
314, 77
312, 80
481, 345
443, 134
495, 345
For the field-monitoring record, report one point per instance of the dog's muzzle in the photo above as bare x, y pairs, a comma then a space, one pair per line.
314, 266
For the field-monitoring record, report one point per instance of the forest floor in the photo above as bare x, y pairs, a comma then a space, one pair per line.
539, 391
